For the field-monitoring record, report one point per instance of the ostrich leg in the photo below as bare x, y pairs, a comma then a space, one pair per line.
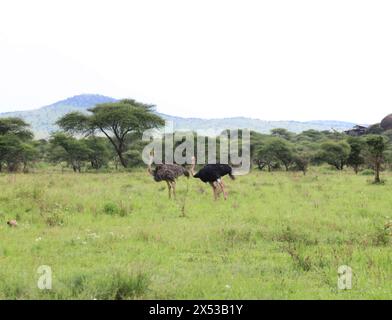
220, 182
173, 185
218, 189
169, 188
214, 189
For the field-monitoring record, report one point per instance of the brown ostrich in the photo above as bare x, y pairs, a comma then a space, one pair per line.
168, 173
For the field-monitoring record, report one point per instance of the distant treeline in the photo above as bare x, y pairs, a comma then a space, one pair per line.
110, 137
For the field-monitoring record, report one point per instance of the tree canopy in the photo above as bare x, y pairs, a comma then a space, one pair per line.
115, 121
16, 144
376, 147
335, 153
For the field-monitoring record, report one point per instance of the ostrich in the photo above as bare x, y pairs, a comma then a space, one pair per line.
168, 173
213, 173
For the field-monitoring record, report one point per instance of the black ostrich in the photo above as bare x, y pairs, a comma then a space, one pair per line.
213, 173
168, 173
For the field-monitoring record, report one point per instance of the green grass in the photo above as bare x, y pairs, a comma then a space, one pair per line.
117, 236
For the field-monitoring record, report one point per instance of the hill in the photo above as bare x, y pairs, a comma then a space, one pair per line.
43, 120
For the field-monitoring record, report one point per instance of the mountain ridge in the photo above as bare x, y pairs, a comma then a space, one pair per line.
42, 120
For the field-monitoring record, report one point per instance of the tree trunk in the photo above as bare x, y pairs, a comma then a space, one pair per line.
12, 167
119, 149
123, 162
377, 176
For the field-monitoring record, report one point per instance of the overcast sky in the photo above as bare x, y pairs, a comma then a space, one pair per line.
274, 60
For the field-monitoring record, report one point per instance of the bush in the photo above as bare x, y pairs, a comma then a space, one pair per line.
367, 172
110, 208
113, 284
56, 218
121, 286
381, 236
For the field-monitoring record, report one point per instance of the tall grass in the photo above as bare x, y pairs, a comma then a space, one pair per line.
118, 236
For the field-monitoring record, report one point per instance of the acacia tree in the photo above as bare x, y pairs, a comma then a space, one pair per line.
301, 161
310, 135
275, 150
114, 120
282, 133
16, 127
99, 151
15, 153
68, 149
355, 159
16, 145
282, 151
335, 153
375, 147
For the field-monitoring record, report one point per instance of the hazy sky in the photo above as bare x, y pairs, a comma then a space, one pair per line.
274, 60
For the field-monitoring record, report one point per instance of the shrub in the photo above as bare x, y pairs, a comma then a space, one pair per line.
121, 286
113, 209
110, 208
381, 236
367, 172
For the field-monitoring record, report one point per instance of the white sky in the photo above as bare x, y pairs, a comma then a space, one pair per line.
274, 60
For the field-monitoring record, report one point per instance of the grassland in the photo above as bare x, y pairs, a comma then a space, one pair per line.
117, 236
